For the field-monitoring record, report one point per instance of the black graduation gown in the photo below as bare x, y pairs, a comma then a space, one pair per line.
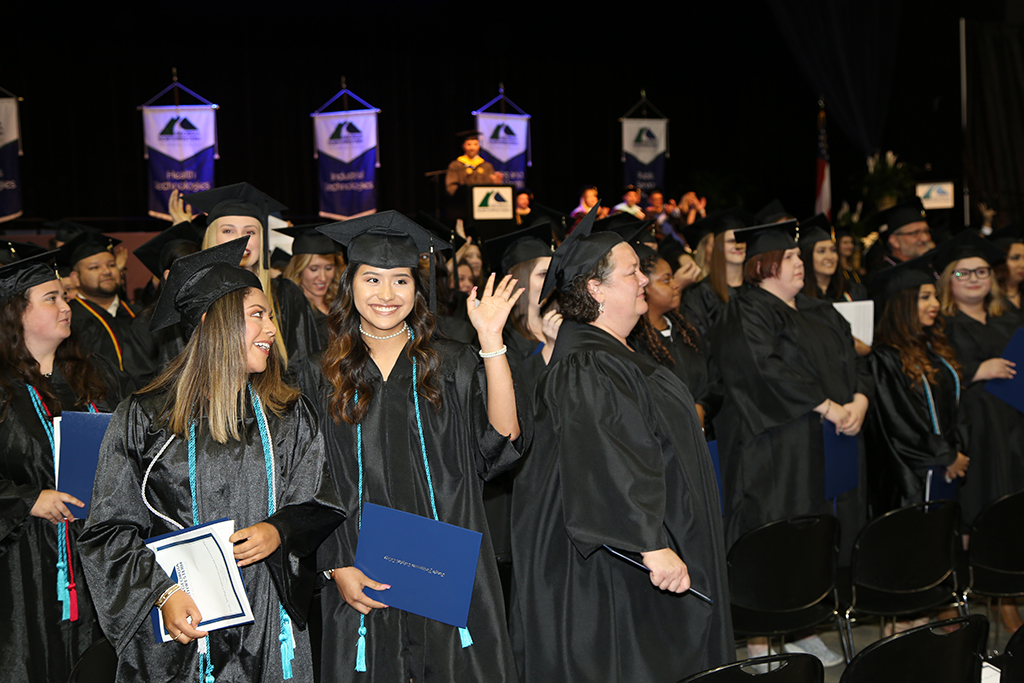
777, 364
463, 450
996, 445
35, 644
900, 435
701, 306
110, 336
231, 482
619, 459
690, 365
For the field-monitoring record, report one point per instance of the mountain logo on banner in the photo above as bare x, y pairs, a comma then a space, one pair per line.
346, 133
485, 202
185, 128
645, 137
503, 135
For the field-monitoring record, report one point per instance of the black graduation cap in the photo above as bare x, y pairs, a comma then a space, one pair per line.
723, 221
84, 245
764, 238
644, 252
65, 231
239, 199
198, 280
560, 221
580, 252
156, 253
519, 246
26, 273
907, 275
387, 240
279, 258
815, 229
462, 136
773, 212
1004, 237
441, 230
965, 244
14, 251
308, 241
894, 218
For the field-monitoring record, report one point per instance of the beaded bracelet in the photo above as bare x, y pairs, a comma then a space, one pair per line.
166, 595
494, 354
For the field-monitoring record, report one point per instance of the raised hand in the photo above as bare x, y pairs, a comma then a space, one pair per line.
489, 313
179, 210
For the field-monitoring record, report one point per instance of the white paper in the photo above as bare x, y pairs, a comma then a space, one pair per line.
56, 453
203, 559
861, 316
989, 673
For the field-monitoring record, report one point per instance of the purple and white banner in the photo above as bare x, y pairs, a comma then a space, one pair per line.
10, 150
505, 143
644, 148
346, 146
181, 145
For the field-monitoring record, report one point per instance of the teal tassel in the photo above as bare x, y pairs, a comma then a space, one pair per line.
467, 639
361, 647
287, 644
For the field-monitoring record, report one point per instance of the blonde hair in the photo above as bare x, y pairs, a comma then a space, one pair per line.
300, 262
208, 379
993, 301
266, 281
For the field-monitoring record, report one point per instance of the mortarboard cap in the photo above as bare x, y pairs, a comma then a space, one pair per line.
441, 230
559, 220
764, 238
773, 212
1004, 237
14, 251
198, 280
156, 254
578, 254
815, 229
464, 135
279, 258
894, 218
723, 221
645, 252
384, 240
239, 199
907, 275
519, 246
84, 245
308, 241
25, 273
965, 244
65, 231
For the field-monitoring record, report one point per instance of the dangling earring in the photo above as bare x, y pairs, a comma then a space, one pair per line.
600, 308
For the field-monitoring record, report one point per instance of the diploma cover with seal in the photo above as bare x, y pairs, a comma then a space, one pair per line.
430, 565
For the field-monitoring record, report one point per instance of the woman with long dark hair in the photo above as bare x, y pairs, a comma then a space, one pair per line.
218, 435
416, 423
48, 619
704, 302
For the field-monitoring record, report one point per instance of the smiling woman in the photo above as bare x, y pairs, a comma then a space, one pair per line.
232, 440
42, 374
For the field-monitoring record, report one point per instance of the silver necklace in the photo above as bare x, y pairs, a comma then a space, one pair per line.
405, 326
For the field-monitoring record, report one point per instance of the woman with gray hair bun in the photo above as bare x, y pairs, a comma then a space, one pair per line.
620, 481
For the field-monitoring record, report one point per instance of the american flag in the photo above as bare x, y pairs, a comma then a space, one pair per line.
823, 189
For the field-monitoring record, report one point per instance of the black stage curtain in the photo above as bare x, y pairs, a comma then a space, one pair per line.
994, 149
847, 49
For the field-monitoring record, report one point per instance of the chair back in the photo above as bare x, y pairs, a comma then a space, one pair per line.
784, 566
997, 537
792, 668
1012, 661
907, 550
926, 653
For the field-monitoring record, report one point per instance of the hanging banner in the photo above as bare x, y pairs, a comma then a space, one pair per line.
181, 145
10, 150
505, 143
644, 148
346, 145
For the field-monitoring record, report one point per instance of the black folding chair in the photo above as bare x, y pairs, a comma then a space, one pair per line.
1011, 662
782, 577
904, 563
789, 668
927, 653
996, 553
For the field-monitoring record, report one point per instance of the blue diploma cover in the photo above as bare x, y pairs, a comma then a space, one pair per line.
841, 471
430, 565
81, 435
1011, 391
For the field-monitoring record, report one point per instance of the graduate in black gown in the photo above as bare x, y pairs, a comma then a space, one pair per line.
217, 435
663, 334
704, 302
915, 422
824, 279
1010, 273
619, 460
979, 328
316, 267
48, 618
416, 423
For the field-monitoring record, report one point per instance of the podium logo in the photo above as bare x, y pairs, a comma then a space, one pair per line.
645, 137
486, 201
346, 133
183, 125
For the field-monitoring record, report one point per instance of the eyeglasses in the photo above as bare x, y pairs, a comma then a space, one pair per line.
914, 234
983, 273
